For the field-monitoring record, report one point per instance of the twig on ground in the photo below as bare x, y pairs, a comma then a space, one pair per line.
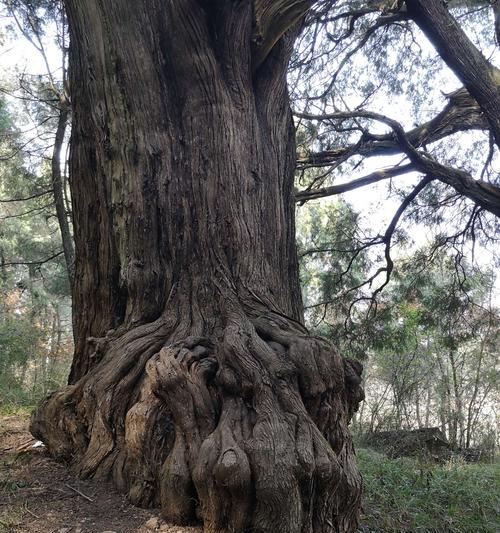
30, 512
80, 493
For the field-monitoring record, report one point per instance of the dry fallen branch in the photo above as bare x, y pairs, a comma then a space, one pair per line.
80, 493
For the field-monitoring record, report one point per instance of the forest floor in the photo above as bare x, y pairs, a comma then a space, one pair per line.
38, 495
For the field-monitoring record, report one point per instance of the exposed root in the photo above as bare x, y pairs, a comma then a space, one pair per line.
246, 431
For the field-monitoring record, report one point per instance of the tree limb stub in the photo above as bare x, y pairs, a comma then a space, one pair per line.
272, 20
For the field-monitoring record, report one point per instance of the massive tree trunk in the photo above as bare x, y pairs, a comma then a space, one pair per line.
195, 385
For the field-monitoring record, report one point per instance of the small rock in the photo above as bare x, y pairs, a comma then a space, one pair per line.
152, 523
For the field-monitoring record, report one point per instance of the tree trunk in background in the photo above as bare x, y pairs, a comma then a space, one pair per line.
417, 409
458, 415
474, 394
428, 407
58, 187
195, 385
445, 400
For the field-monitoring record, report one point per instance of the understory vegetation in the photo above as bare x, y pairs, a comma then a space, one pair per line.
417, 495
35, 346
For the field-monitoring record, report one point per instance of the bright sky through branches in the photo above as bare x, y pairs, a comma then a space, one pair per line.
19, 57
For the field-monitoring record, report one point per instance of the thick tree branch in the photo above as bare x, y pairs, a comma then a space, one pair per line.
462, 113
482, 193
379, 175
479, 76
272, 19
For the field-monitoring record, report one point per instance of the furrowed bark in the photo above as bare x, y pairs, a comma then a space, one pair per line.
195, 386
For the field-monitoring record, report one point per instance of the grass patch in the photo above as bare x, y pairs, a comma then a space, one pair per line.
10, 519
15, 409
11, 485
417, 496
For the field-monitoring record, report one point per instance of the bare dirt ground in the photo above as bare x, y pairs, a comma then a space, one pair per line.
38, 495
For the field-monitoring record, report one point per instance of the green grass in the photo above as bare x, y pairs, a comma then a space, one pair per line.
10, 519
15, 409
416, 496
11, 486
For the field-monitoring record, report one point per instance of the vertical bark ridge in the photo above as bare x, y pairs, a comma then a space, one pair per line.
162, 175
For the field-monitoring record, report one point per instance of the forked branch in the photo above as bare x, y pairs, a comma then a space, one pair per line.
482, 193
461, 113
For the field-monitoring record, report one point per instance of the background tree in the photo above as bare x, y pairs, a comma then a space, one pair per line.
431, 346
34, 208
35, 332
46, 105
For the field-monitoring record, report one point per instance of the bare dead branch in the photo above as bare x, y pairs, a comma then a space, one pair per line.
30, 263
26, 198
